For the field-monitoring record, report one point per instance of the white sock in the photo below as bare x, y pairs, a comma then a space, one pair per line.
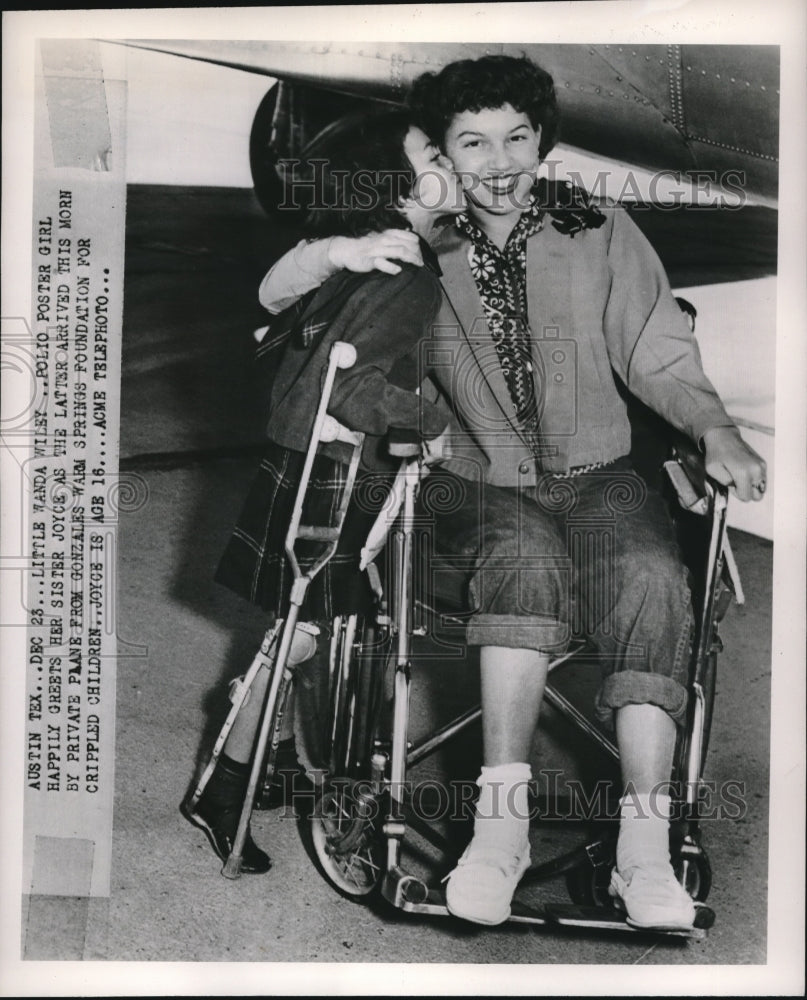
502, 811
644, 832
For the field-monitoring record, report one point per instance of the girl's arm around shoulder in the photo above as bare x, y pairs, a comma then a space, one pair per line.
311, 262
305, 267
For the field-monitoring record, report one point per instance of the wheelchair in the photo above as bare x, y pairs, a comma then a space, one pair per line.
363, 810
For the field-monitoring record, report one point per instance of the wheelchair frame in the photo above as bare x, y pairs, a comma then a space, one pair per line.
361, 815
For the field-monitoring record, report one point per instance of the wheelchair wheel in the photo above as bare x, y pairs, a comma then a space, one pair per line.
587, 885
346, 838
345, 827
358, 657
694, 872
709, 687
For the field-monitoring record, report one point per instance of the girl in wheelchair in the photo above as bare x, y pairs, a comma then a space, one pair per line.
599, 301
406, 185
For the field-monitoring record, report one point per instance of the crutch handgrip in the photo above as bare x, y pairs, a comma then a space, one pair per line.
344, 354
404, 449
332, 430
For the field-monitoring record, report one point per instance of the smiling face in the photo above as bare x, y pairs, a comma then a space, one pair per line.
436, 188
495, 153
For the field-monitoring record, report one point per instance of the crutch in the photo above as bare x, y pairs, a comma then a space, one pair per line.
326, 428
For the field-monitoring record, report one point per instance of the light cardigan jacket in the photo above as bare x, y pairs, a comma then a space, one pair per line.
598, 302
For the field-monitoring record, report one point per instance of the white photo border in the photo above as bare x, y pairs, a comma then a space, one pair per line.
701, 21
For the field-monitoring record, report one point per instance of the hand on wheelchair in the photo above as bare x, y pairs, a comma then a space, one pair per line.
734, 464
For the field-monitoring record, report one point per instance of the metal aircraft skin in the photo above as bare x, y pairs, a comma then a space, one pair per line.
706, 111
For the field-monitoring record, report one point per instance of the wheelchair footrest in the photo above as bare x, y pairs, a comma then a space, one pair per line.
600, 918
568, 915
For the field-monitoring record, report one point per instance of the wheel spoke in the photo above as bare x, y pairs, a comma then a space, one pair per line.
347, 845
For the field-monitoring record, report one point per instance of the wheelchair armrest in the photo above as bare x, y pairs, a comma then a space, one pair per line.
332, 430
687, 471
688, 496
691, 460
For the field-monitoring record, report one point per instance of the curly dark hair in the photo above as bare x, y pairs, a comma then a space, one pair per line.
361, 171
489, 82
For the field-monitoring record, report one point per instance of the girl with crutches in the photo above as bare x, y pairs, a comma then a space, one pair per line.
384, 317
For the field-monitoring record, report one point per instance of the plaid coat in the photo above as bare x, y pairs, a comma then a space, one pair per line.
254, 564
385, 317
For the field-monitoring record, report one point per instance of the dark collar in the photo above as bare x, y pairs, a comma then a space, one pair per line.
570, 208
430, 257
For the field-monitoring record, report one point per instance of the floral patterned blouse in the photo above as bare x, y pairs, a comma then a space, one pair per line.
501, 279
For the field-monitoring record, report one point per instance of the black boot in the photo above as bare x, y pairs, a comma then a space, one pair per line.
218, 811
289, 784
